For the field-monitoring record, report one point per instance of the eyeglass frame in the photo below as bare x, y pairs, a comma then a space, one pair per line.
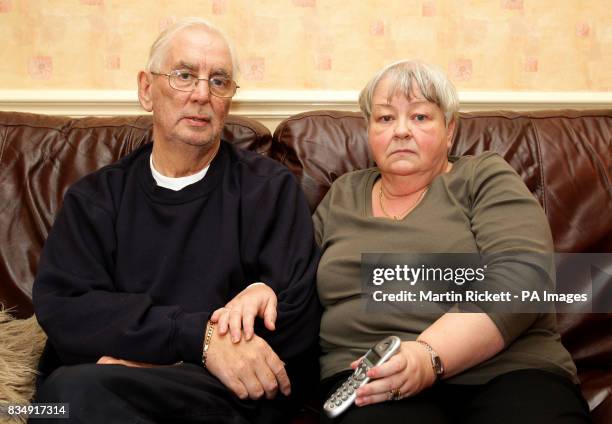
175, 72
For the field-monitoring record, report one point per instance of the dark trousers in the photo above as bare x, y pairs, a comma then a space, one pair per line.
182, 393
518, 397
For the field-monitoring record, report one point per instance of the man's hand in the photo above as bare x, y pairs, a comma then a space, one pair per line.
257, 300
249, 368
109, 360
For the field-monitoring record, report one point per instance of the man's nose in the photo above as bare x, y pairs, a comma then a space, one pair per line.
201, 92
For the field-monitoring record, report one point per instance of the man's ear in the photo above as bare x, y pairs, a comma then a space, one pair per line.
144, 91
450, 131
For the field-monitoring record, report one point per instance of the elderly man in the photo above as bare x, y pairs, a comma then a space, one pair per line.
144, 250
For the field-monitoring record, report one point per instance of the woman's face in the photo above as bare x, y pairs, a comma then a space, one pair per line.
408, 136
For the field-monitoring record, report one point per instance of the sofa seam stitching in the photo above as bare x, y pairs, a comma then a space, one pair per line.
512, 118
278, 139
343, 115
4, 138
71, 127
255, 134
541, 166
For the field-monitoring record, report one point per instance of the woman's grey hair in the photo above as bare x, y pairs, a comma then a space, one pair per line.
431, 81
158, 51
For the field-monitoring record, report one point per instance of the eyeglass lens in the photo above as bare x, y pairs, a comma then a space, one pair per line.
218, 86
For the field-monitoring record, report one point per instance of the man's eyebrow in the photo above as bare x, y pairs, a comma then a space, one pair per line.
185, 65
221, 72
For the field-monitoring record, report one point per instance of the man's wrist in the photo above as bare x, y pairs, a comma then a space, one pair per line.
208, 333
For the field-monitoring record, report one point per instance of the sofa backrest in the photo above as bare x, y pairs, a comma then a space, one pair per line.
564, 157
41, 156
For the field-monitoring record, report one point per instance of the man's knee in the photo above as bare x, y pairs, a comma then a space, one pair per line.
74, 383
93, 394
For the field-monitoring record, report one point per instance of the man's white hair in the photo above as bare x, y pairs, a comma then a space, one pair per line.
158, 51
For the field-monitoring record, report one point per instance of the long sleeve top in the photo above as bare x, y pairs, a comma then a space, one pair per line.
134, 270
480, 206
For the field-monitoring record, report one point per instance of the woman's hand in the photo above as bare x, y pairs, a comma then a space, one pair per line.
257, 300
409, 370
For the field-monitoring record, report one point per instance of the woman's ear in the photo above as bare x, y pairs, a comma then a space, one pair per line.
144, 91
450, 131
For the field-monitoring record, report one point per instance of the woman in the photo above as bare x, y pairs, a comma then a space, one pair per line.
450, 367
495, 367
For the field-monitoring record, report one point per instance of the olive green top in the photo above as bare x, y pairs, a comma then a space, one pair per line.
481, 205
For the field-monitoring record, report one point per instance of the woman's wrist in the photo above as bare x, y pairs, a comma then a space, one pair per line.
437, 365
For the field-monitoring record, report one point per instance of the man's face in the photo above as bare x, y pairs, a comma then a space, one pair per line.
193, 118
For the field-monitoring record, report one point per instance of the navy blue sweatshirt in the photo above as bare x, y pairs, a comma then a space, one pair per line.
134, 271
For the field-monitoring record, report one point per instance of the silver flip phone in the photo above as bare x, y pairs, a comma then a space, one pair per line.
345, 395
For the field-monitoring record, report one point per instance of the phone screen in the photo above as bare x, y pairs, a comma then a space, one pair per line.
372, 357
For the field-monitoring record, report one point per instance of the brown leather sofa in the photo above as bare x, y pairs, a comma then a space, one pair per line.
564, 157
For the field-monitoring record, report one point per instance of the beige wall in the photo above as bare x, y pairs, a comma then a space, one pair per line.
509, 45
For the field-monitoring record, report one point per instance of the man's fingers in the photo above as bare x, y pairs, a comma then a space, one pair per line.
105, 360
278, 368
135, 364
236, 386
253, 363
251, 382
268, 381
109, 360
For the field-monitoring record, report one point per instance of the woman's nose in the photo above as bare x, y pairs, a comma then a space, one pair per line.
402, 128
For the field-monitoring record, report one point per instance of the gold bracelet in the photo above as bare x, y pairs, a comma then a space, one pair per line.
210, 327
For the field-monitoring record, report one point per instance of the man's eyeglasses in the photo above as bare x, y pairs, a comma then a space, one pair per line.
219, 86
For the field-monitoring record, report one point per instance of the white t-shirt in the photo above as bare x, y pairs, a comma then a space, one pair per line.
177, 183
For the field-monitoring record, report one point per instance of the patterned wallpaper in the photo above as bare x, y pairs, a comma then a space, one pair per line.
544, 45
